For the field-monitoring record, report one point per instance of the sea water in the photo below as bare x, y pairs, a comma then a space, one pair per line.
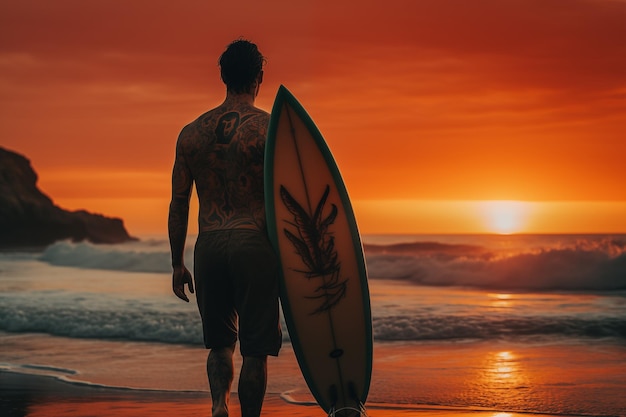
531, 323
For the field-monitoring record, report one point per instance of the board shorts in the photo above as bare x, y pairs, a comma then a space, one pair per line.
236, 278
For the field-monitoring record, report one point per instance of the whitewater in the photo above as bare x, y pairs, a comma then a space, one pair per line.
558, 286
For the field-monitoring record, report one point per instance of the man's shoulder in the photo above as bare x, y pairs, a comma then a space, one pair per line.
261, 112
187, 132
196, 125
260, 115
247, 111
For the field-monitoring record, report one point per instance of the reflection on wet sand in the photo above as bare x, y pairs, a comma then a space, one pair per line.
503, 379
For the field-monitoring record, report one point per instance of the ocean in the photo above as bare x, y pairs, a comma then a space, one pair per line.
526, 323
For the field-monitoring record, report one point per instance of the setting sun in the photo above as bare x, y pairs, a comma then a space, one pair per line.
505, 217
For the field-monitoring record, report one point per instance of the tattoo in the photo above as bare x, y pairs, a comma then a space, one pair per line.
177, 225
227, 127
179, 206
222, 152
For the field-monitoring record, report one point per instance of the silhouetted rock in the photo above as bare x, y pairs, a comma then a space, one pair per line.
29, 218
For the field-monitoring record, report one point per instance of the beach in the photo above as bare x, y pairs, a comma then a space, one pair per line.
34, 396
93, 330
27, 395
422, 379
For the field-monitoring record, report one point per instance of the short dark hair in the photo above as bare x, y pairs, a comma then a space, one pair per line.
240, 64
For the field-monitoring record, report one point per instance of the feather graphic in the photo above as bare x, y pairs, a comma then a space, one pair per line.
315, 244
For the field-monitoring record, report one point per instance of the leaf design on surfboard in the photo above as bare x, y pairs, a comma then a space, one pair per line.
315, 245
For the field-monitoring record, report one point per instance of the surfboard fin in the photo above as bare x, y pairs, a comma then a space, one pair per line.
348, 411
358, 411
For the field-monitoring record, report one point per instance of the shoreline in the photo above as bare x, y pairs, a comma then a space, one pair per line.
43, 375
29, 395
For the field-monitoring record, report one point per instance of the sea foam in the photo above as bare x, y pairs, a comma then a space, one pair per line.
148, 256
167, 320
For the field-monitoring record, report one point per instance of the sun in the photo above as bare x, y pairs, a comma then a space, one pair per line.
505, 216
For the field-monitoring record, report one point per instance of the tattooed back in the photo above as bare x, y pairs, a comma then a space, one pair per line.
223, 150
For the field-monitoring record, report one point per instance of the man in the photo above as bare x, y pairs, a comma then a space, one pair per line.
235, 267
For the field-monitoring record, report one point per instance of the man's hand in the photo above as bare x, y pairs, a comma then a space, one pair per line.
180, 277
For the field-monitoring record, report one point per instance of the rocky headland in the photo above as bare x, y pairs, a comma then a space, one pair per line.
30, 219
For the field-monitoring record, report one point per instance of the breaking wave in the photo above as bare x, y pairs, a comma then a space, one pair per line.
142, 256
589, 264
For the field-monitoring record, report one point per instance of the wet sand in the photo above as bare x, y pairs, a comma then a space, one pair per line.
39, 396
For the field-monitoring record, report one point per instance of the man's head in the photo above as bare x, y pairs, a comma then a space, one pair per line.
242, 67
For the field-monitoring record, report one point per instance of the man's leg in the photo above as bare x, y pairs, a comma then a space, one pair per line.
219, 368
252, 384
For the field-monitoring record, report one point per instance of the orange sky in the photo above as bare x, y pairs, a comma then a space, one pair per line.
430, 107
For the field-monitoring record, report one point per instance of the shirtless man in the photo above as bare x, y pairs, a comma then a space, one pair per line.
235, 267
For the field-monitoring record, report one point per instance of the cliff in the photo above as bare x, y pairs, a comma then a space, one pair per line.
29, 218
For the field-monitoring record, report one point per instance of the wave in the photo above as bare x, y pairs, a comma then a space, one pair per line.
164, 320
93, 316
590, 264
144, 256
438, 327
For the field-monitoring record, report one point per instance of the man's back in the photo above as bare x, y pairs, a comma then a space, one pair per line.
223, 150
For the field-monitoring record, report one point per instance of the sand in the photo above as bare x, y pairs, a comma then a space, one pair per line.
36, 395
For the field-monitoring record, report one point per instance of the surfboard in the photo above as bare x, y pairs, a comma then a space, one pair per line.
323, 280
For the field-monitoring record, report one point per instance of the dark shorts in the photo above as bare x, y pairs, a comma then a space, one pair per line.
236, 278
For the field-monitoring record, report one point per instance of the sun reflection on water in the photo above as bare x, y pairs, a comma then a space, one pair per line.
503, 366
501, 300
503, 381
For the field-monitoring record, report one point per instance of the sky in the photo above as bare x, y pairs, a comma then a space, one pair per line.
444, 116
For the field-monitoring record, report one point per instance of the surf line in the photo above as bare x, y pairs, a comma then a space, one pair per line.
310, 207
